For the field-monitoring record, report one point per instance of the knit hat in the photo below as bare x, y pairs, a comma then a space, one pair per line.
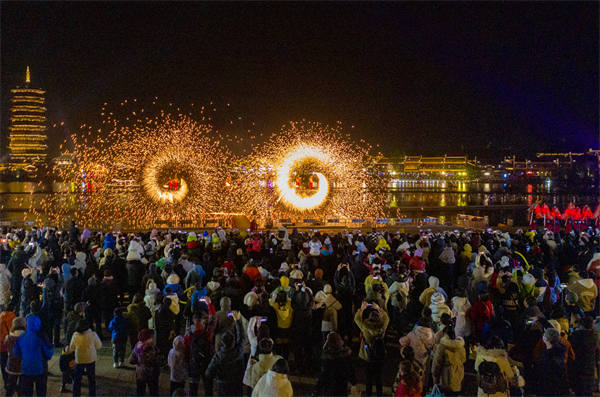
327, 289
318, 273
334, 341
552, 335
145, 334
438, 298
19, 323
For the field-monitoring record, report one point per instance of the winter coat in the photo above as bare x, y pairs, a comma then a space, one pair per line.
85, 345
315, 248
225, 322
177, 362
586, 292
31, 349
17, 263
370, 330
331, 305
434, 286
337, 370
437, 309
145, 358
481, 313
284, 313
5, 277
422, 340
584, 343
552, 372
109, 242
118, 327
135, 251
110, 293
73, 291
398, 287
6, 320
460, 309
13, 365
498, 356
273, 384
80, 262
264, 364
137, 317
227, 365
448, 363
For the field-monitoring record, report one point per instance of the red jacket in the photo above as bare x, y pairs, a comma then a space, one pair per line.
481, 312
6, 320
403, 391
416, 264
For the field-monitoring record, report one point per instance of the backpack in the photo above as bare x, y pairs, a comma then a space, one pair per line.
376, 351
491, 379
200, 355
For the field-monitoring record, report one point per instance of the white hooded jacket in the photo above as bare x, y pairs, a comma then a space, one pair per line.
135, 251
273, 384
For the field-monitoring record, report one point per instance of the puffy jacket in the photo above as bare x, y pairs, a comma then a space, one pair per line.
498, 356
460, 307
227, 365
370, 330
336, 371
434, 286
32, 349
6, 320
448, 363
109, 242
85, 345
135, 251
118, 327
264, 364
284, 313
422, 340
273, 384
13, 365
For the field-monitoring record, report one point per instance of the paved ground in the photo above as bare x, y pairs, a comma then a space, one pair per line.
121, 381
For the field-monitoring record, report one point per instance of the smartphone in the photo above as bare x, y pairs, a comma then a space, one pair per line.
40, 284
271, 250
375, 277
230, 314
261, 319
202, 299
369, 304
563, 285
31, 244
529, 322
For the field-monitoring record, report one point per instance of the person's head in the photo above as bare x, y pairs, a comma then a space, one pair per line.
318, 273
265, 345
281, 298
138, 298
446, 319
426, 312
449, 333
107, 273
281, 367
587, 323
228, 340
118, 312
19, 324
530, 301
11, 306
551, 336
407, 353
425, 322
409, 374
73, 272
495, 343
82, 326
374, 316
461, 293
333, 342
146, 335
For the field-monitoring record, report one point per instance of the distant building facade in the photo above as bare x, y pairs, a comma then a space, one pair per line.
27, 139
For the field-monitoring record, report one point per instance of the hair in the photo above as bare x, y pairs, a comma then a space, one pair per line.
426, 312
495, 343
82, 326
484, 296
587, 322
107, 273
265, 345
228, 340
446, 319
449, 332
409, 375
461, 293
426, 322
11, 306
138, 298
281, 367
168, 290
558, 311
73, 271
118, 312
530, 301
281, 298
407, 353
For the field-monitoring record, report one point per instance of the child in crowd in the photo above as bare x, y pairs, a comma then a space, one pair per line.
118, 327
67, 368
177, 364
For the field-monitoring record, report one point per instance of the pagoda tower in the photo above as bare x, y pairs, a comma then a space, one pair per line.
27, 125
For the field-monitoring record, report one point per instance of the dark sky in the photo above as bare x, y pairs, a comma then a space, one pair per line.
475, 78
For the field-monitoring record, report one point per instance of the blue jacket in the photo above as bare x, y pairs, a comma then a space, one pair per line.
118, 326
109, 242
199, 271
175, 288
31, 349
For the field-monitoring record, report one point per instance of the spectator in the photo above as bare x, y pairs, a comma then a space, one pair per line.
12, 384
85, 342
145, 358
275, 382
118, 328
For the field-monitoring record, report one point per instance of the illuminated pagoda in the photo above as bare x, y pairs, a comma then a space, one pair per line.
27, 125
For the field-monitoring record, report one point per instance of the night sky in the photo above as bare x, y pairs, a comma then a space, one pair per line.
476, 78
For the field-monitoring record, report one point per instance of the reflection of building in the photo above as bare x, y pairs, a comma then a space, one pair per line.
446, 165
27, 125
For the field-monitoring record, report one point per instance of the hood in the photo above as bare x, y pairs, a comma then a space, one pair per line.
213, 285
225, 304
434, 282
404, 246
423, 333
419, 253
467, 249
173, 279
491, 354
438, 299
80, 256
332, 354
452, 345
275, 380
285, 282
447, 255
528, 279
595, 258
178, 343
33, 323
